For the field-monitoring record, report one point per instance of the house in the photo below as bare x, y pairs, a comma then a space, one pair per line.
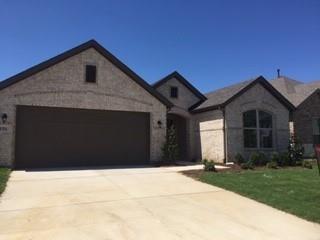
306, 117
242, 118
85, 107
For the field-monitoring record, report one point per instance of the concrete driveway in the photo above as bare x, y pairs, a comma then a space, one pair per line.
141, 203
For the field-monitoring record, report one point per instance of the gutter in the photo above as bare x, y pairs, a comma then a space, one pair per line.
224, 135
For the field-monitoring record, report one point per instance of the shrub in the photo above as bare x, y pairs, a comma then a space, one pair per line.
247, 165
208, 165
272, 164
170, 149
307, 164
284, 159
239, 159
275, 157
258, 159
295, 151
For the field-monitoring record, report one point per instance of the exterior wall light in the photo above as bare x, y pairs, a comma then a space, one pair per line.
159, 124
4, 118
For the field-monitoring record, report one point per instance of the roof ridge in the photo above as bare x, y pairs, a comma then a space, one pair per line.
287, 79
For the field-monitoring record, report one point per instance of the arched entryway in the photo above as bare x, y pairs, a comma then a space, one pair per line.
180, 125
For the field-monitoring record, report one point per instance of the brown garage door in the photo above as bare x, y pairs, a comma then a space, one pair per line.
62, 137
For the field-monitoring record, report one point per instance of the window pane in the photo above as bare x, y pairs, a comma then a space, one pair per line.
91, 72
265, 138
316, 130
250, 119
265, 120
174, 92
316, 139
250, 138
316, 126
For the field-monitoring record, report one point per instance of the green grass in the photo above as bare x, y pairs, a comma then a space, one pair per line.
294, 190
4, 176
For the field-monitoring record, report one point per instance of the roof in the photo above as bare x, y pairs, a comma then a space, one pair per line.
221, 97
182, 80
315, 92
76, 50
296, 92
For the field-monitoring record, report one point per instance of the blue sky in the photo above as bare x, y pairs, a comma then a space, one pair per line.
212, 43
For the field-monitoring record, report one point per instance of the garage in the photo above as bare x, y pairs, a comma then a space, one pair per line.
81, 108
48, 137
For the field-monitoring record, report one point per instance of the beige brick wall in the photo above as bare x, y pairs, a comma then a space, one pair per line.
181, 105
185, 99
255, 98
62, 85
208, 139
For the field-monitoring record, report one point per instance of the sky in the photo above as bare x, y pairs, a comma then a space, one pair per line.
212, 43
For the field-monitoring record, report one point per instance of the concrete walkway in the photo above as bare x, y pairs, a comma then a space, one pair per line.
140, 203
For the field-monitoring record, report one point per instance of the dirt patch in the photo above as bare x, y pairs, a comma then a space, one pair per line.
196, 174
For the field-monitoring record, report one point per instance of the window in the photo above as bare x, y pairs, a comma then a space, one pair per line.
316, 130
257, 129
174, 92
91, 73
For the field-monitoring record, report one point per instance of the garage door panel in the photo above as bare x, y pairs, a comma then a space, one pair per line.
60, 137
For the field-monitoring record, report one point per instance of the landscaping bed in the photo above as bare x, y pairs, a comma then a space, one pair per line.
295, 190
4, 176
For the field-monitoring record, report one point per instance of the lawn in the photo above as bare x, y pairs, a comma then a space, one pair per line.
4, 176
294, 190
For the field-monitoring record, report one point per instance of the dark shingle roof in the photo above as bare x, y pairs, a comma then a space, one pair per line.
292, 90
222, 97
296, 92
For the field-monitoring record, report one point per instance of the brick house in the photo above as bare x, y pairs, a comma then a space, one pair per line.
306, 117
85, 107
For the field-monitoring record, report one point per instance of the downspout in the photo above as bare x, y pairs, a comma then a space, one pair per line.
224, 135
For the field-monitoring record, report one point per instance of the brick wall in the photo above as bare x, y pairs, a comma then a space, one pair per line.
303, 117
181, 105
63, 85
255, 98
208, 136
185, 99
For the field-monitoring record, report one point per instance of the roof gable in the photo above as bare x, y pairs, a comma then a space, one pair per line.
183, 81
222, 97
76, 50
296, 92
315, 92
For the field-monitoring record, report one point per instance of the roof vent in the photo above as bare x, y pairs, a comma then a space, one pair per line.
278, 71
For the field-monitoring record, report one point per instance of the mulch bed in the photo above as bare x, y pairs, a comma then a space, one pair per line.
197, 173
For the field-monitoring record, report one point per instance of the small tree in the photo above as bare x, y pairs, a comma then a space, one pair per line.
170, 149
295, 151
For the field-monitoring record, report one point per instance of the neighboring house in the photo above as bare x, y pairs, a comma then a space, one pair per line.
306, 117
85, 107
